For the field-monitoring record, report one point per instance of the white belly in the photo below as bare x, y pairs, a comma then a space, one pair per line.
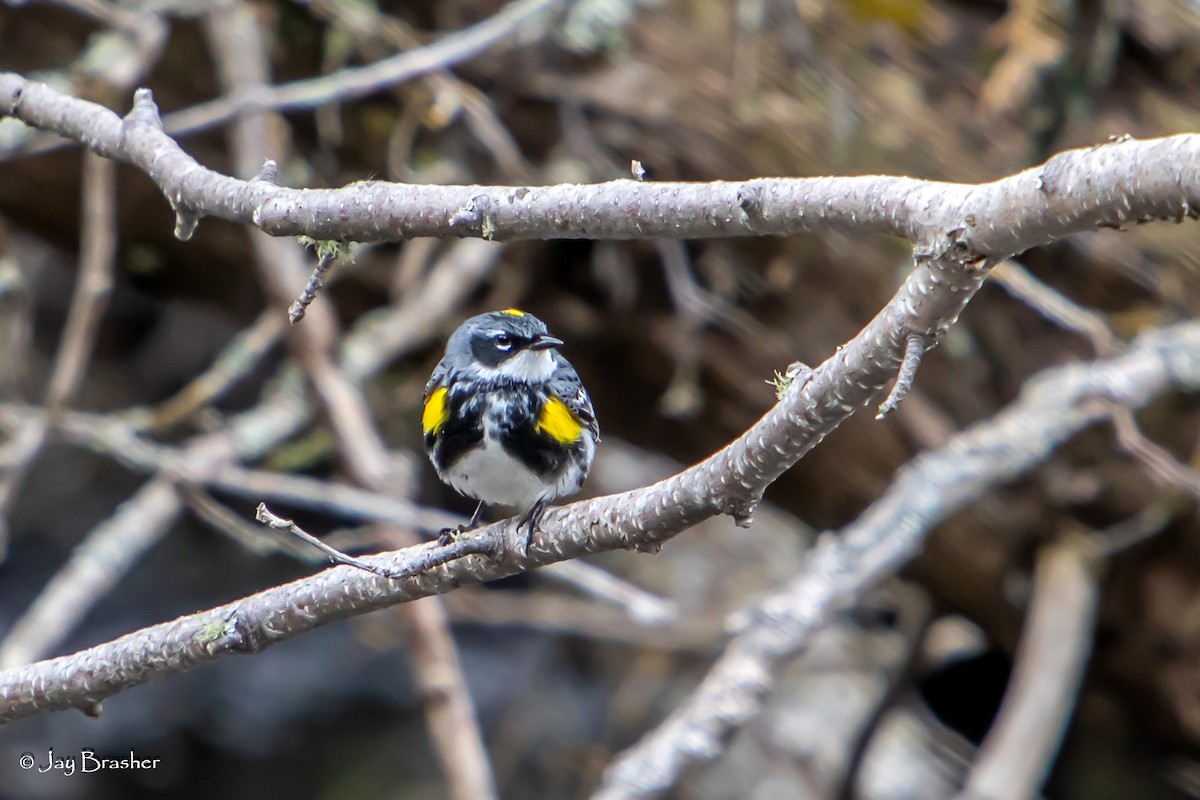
493, 476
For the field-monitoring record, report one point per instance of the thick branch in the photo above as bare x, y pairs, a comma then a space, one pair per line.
1109, 185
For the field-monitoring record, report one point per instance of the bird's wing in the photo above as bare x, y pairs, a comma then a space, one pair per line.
567, 386
435, 410
437, 379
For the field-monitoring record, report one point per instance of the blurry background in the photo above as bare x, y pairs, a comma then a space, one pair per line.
675, 341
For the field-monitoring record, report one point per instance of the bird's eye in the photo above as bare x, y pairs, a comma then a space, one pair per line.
503, 341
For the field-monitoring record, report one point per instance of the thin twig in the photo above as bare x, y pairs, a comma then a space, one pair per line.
354, 82
1055, 306
1155, 458
325, 260
915, 346
341, 86
250, 536
243, 353
1071, 316
16, 334
88, 574
97, 250
1144, 525
435, 553
642, 607
369, 25
552, 612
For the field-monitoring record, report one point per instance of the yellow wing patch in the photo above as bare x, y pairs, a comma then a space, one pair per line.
435, 414
513, 312
559, 422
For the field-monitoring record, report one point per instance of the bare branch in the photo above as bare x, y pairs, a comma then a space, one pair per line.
1157, 460
325, 260
432, 557
92, 570
98, 247
959, 231
15, 327
239, 357
1052, 305
642, 607
252, 537
355, 82
1110, 185
1017, 754
373, 30
149, 31
1054, 406
1067, 314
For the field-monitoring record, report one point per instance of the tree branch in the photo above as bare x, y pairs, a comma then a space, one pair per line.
1109, 185
1020, 748
1054, 406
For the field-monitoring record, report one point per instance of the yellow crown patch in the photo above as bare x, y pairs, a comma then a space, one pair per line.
513, 312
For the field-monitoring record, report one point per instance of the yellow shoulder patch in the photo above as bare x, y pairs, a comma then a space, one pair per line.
559, 422
513, 312
435, 414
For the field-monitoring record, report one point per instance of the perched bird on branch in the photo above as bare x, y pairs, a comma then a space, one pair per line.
507, 420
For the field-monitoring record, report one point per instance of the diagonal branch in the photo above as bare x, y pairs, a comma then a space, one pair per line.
731, 481
1053, 407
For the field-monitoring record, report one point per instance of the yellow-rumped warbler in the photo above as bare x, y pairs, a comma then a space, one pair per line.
507, 420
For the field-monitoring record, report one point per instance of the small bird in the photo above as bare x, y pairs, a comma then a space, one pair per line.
507, 420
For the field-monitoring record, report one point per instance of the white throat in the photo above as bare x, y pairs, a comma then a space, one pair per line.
531, 366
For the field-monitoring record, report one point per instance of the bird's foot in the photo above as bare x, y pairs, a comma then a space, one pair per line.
450, 535
447, 536
531, 519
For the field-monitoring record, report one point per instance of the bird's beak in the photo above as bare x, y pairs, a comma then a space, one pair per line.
545, 342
